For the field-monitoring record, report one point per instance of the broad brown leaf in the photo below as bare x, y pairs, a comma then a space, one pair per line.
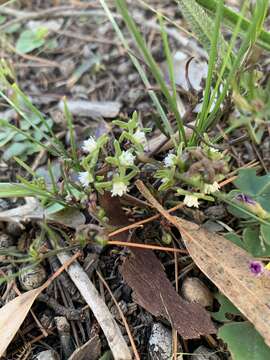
144, 273
226, 265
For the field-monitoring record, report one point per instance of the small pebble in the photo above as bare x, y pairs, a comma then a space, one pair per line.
194, 290
4, 205
216, 212
133, 77
203, 353
47, 355
32, 277
67, 67
212, 226
5, 241
14, 229
160, 343
124, 68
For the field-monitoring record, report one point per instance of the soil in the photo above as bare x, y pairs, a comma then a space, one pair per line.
83, 59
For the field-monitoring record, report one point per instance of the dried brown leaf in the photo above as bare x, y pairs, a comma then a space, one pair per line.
14, 312
32, 210
12, 316
144, 273
226, 265
90, 350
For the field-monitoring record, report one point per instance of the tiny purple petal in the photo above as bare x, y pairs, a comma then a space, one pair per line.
245, 198
256, 267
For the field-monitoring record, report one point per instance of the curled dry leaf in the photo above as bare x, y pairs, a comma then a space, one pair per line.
226, 265
14, 312
32, 210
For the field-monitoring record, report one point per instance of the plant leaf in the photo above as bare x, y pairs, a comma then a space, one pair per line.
200, 23
13, 314
15, 149
226, 307
265, 232
29, 40
226, 265
232, 18
253, 243
244, 341
236, 239
258, 187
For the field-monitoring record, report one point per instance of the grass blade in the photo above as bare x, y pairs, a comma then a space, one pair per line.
211, 67
69, 120
121, 5
154, 98
248, 42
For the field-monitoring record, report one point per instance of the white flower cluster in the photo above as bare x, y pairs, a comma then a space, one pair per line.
119, 188
211, 188
192, 200
169, 160
89, 145
85, 178
126, 158
139, 136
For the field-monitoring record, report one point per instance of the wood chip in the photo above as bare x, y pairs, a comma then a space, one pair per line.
93, 109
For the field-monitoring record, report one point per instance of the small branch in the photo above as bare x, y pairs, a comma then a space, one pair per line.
69, 313
90, 294
55, 12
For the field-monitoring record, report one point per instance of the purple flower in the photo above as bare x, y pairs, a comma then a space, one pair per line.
245, 199
256, 267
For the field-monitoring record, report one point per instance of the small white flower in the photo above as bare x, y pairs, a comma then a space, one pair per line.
89, 145
191, 201
211, 188
164, 180
85, 178
119, 188
139, 136
126, 158
169, 160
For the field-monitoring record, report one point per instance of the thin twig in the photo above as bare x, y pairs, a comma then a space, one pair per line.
136, 354
140, 223
54, 12
146, 246
101, 312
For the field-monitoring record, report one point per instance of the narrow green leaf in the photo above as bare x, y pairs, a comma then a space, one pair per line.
25, 166
211, 65
68, 117
20, 190
141, 71
155, 70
